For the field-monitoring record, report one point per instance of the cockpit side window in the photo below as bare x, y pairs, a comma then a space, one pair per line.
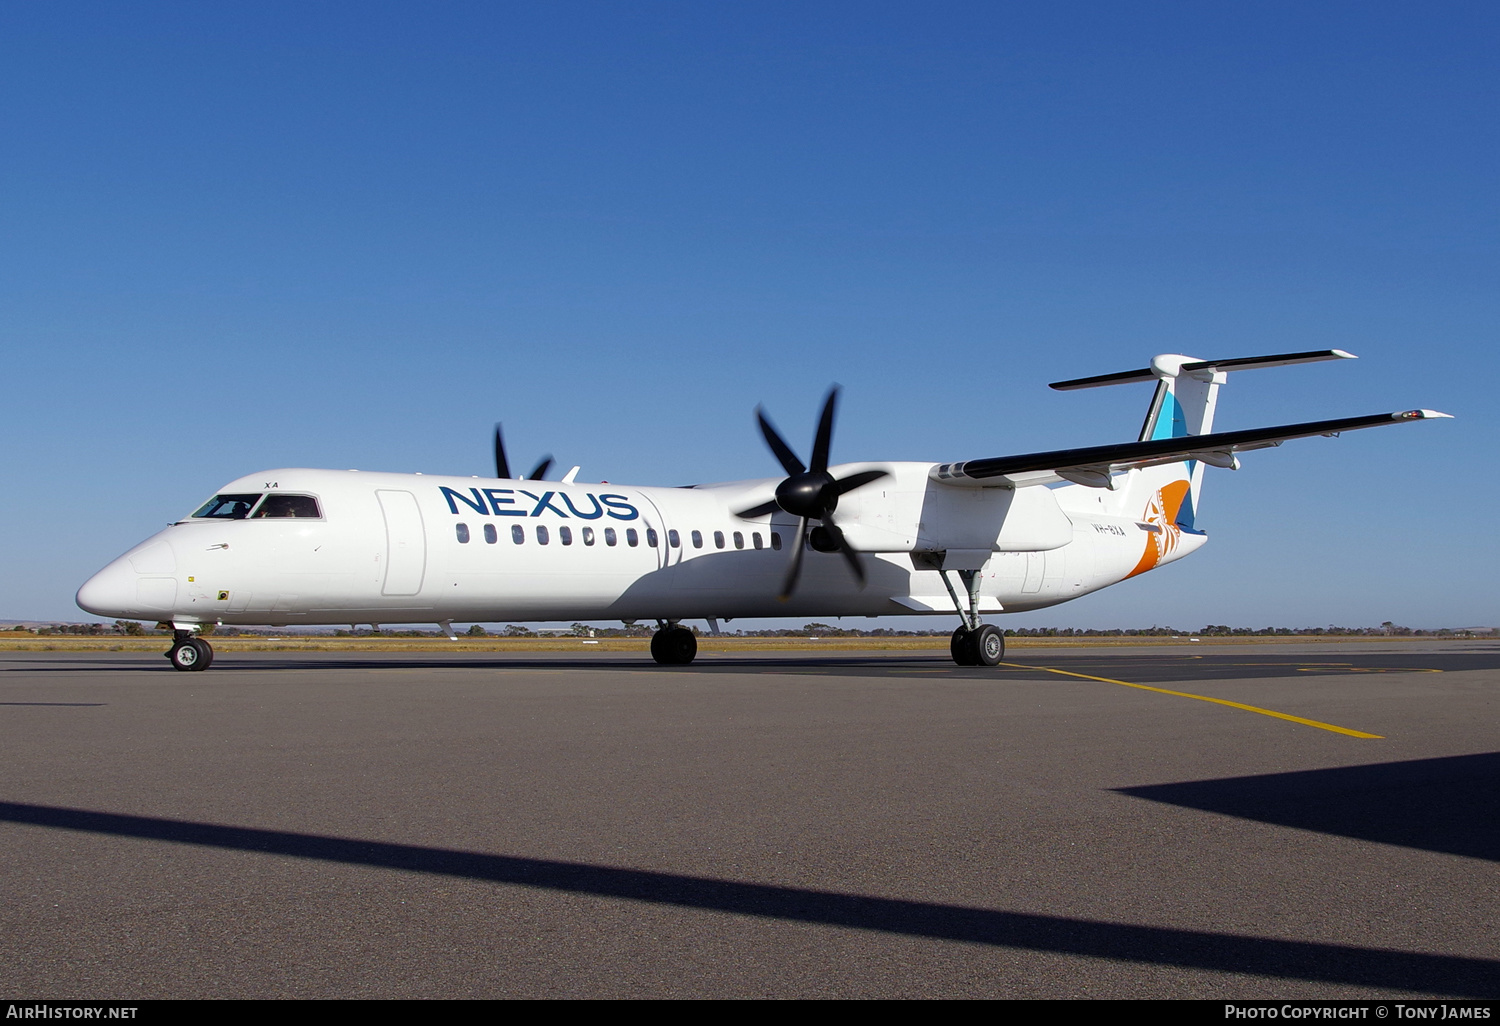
228, 507
300, 507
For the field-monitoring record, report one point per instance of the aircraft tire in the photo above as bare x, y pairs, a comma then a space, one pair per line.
964, 651
190, 655
989, 645
675, 646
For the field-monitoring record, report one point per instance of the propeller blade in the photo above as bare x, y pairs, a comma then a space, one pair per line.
850, 555
539, 472
789, 461
853, 481
502, 465
793, 571
758, 511
824, 437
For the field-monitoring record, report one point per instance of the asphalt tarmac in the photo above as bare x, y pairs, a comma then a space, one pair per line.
1260, 821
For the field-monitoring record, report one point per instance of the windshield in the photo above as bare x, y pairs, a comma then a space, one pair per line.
228, 507
288, 506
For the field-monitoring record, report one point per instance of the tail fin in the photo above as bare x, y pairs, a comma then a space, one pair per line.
1187, 391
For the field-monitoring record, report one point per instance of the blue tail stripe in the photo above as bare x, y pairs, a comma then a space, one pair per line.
1185, 512
1170, 423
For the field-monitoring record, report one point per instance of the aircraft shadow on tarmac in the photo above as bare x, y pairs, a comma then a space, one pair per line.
1443, 805
1186, 949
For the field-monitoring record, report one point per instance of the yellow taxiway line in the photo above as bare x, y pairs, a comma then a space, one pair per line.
1204, 698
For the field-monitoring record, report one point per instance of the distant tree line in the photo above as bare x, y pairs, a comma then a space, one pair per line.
811, 630
823, 630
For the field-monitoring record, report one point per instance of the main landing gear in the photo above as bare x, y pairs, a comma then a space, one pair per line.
673, 645
189, 652
984, 646
974, 643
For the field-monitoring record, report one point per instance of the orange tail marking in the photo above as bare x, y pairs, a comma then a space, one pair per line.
1161, 511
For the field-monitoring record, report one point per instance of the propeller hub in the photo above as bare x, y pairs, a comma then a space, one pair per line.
807, 495
811, 493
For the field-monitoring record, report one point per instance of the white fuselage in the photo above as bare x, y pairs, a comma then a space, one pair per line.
389, 548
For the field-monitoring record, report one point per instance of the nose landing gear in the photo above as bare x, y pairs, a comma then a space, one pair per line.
189, 652
673, 645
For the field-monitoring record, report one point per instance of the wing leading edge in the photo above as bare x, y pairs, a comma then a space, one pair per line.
1094, 465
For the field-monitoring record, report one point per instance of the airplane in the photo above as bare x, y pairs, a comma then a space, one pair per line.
970, 538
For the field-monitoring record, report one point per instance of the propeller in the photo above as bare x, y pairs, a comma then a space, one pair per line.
502, 465
811, 493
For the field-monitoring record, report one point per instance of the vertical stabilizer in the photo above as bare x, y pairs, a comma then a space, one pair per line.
1182, 405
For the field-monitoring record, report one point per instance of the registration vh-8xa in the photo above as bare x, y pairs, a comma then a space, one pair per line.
965, 539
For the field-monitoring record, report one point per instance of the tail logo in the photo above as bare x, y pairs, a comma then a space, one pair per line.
1161, 513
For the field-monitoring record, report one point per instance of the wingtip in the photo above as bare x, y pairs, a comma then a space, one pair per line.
1343, 354
1421, 415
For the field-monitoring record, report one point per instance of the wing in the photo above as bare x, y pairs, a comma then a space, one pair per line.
1092, 466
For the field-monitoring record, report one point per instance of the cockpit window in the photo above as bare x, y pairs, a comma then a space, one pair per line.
228, 507
299, 506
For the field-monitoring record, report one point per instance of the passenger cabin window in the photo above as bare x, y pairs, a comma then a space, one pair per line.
565, 535
776, 541
739, 540
301, 507
755, 537
697, 539
718, 539
673, 539
609, 536
631, 537
228, 507
517, 533
652, 537
462, 530
541, 535
491, 536
588, 536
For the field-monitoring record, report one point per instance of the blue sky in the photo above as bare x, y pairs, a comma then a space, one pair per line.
245, 236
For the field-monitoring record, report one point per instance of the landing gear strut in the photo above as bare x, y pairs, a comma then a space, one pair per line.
189, 652
673, 645
974, 643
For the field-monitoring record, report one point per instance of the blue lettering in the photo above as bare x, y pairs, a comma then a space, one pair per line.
496, 502
544, 501
598, 509
476, 503
618, 502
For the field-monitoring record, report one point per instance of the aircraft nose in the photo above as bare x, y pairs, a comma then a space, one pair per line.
143, 583
110, 592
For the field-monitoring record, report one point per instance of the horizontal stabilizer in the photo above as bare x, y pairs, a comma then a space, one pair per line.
1093, 465
1205, 367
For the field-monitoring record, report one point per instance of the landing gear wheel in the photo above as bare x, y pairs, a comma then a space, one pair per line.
988, 645
205, 653
965, 653
192, 654
674, 646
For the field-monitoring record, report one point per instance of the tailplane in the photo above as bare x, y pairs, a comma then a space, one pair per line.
1187, 391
